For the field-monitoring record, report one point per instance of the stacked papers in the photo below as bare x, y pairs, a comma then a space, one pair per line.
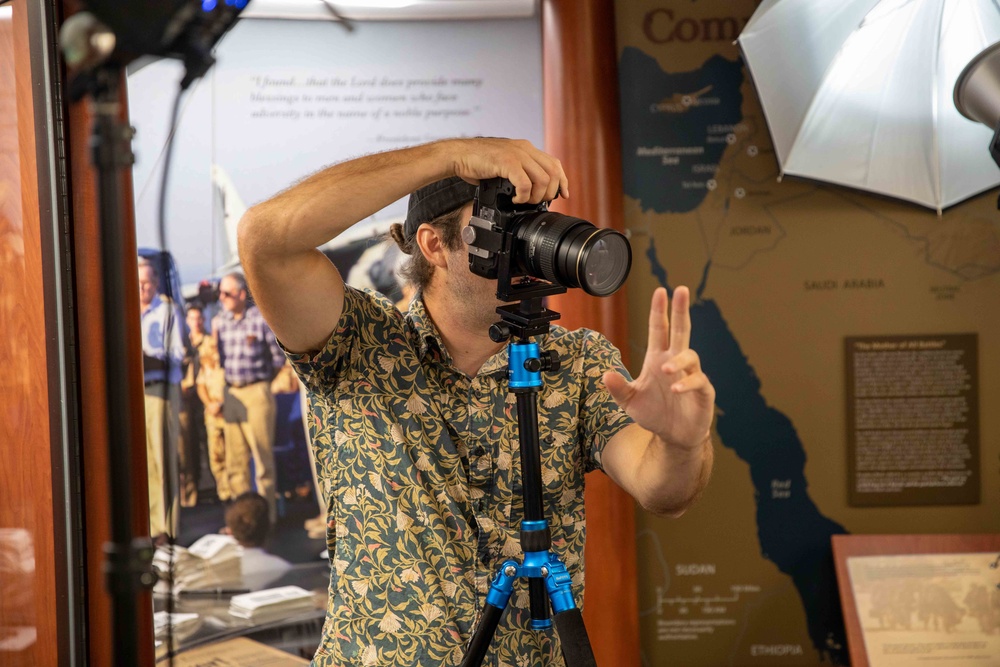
272, 604
212, 562
181, 625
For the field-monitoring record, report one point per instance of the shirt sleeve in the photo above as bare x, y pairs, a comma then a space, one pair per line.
600, 416
367, 321
178, 350
220, 342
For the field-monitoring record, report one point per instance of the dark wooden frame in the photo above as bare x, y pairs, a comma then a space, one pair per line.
39, 478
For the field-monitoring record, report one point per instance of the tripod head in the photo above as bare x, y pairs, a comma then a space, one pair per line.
523, 320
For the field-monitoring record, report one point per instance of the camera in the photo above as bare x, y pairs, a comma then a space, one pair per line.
534, 252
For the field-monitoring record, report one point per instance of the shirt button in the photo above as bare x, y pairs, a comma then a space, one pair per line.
479, 451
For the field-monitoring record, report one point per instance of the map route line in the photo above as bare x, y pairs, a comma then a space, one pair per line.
988, 270
660, 560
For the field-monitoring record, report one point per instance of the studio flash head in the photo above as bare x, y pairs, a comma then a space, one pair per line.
534, 252
114, 33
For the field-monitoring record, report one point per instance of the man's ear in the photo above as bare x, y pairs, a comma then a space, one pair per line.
431, 245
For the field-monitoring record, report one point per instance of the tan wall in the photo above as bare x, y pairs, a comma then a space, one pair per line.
773, 344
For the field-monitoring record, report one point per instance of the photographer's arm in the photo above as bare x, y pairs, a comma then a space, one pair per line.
296, 287
664, 460
664, 479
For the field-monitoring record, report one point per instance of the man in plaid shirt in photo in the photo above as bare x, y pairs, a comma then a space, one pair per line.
250, 358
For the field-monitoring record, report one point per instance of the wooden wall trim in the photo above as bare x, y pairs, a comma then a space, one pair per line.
582, 129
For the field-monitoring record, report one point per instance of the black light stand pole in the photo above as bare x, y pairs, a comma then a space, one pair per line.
128, 562
548, 578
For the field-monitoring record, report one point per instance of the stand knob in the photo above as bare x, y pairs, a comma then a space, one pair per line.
548, 361
554, 363
499, 332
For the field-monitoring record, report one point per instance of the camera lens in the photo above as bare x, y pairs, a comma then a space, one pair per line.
572, 252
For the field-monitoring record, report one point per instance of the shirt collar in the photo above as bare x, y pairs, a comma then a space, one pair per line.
228, 315
154, 304
430, 341
428, 336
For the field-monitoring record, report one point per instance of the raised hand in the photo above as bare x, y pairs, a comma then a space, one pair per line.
672, 398
536, 175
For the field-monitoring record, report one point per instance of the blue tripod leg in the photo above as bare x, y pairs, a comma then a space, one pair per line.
567, 618
496, 602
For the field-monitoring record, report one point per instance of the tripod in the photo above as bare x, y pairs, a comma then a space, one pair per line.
548, 578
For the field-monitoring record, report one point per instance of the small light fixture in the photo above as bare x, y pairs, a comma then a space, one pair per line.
977, 93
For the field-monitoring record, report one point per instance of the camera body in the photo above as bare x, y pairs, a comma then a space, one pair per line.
534, 252
491, 237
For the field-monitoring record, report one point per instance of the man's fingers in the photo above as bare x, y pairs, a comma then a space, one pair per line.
618, 387
680, 321
659, 327
537, 171
690, 383
556, 176
686, 361
560, 181
521, 181
536, 175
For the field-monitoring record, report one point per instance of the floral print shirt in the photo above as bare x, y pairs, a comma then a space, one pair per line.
421, 472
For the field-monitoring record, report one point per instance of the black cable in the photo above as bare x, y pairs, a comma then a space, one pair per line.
169, 491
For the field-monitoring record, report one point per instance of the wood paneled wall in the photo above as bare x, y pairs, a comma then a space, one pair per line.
582, 129
28, 597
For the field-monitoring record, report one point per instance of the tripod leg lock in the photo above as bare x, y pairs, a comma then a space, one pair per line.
503, 584
559, 584
541, 565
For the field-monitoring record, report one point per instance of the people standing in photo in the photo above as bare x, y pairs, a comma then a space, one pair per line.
191, 419
250, 357
162, 357
211, 383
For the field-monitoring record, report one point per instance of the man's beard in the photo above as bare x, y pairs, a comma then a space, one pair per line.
479, 297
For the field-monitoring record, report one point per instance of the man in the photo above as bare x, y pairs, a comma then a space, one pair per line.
248, 522
162, 356
211, 384
191, 417
414, 431
250, 358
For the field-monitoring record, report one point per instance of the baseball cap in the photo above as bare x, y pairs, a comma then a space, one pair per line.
434, 200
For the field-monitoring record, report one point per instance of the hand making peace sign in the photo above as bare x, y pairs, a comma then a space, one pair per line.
672, 398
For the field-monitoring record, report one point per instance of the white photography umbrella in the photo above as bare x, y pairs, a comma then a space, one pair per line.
859, 93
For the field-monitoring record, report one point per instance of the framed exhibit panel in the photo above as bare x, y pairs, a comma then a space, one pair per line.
920, 599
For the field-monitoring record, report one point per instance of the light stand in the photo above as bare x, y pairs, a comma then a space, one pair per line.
548, 579
128, 561
97, 55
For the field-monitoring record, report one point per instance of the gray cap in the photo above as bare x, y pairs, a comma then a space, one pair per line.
434, 200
